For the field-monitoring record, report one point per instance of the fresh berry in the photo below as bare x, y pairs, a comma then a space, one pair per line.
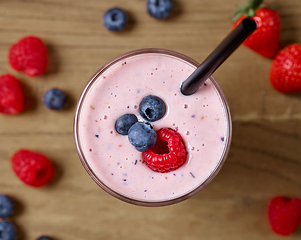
284, 215
168, 154
115, 19
7, 231
124, 123
285, 72
159, 9
265, 40
142, 136
11, 95
55, 99
152, 108
29, 54
32, 168
7, 206
43, 238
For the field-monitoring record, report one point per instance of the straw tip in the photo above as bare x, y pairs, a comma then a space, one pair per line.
249, 24
187, 89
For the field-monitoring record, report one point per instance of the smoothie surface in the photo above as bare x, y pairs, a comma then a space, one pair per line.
200, 119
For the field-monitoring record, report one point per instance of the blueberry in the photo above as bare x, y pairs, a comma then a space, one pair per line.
43, 238
55, 99
142, 136
152, 108
6, 206
159, 8
124, 123
115, 19
7, 231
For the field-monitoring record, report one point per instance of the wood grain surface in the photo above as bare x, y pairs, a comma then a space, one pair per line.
265, 156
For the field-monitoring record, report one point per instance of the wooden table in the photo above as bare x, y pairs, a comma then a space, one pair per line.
265, 156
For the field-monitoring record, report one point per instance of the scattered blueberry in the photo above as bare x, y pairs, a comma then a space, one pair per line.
7, 231
6, 206
159, 8
142, 136
43, 238
115, 19
124, 123
55, 99
152, 108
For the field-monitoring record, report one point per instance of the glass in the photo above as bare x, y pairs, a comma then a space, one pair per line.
83, 158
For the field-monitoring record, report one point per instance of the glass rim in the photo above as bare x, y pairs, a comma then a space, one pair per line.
117, 194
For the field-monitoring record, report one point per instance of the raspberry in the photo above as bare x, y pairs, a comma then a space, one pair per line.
34, 169
169, 152
11, 95
29, 54
284, 215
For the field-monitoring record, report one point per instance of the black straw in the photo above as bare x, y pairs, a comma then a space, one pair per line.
218, 56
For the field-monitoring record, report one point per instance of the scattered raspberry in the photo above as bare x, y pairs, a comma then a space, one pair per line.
29, 55
284, 215
32, 168
11, 95
169, 152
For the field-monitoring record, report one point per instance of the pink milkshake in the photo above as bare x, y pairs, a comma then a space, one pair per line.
202, 119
